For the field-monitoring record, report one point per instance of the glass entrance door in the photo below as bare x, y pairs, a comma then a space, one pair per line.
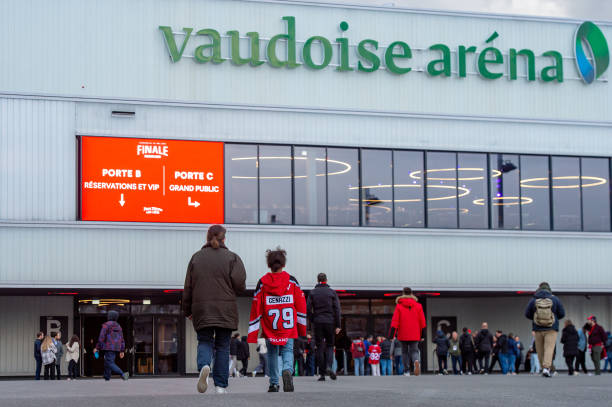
143, 344
167, 329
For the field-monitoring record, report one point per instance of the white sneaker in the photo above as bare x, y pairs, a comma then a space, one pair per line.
407, 374
203, 379
220, 390
254, 374
546, 373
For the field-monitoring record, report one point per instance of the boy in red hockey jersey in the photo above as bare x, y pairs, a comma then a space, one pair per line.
279, 308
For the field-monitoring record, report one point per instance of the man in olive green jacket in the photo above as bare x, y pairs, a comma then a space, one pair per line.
215, 276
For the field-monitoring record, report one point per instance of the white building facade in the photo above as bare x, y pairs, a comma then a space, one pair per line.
466, 156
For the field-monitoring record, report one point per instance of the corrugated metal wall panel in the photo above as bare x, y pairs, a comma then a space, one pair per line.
37, 160
355, 259
344, 130
123, 55
20, 321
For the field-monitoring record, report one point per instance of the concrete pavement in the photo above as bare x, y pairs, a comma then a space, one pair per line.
345, 392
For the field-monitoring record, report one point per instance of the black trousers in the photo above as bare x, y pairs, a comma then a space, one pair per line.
483, 360
442, 363
50, 371
494, 360
467, 362
517, 364
301, 363
59, 373
72, 369
569, 360
245, 366
325, 334
580, 361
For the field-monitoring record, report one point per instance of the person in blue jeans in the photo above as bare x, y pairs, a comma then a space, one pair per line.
111, 342
358, 352
282, 354
609, 353
386, 363
38, 353
396, 351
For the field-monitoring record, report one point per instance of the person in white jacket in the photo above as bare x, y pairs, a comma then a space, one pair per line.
72, 356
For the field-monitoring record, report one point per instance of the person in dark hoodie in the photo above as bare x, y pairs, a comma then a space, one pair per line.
111, 341
323, 308
484, 345
234, 345
38, 354
244, 354
408, 323
386, 362
466, 345
569, 339
545, 310
442, 345
597, 341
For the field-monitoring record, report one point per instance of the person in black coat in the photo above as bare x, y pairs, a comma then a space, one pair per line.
484, 345
244, 354
466, 345
569, 339
299, 347
442, 346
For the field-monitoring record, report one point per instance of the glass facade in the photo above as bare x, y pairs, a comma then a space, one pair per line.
316, 185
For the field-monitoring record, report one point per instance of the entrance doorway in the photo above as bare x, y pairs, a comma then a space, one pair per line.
154, 342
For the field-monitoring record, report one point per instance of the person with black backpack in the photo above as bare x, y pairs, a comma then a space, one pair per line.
545, 310
466, 345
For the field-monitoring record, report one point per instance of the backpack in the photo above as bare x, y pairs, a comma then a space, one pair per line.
543, 315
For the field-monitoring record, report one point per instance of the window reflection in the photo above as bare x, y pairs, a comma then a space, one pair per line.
343, 187
505, 195
595, 194
566, 193
408, 190
376, 192
472, 172
441, 182
535, 192
310, 186
275, 185
240, 183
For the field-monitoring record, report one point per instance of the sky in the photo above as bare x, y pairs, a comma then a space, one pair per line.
597, 10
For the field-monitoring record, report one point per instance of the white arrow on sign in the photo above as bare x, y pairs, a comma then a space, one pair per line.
121, 201
194, 203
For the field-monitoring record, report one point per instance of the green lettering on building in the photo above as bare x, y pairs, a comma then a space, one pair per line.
281, 51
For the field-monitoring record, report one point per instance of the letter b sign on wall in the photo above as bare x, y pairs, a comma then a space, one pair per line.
51, 325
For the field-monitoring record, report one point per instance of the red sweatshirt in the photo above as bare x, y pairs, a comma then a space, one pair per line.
279, 308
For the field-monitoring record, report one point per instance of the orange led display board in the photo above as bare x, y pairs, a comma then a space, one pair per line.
150, 180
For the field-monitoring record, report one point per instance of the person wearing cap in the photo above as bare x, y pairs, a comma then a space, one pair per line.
597, 341
545, 310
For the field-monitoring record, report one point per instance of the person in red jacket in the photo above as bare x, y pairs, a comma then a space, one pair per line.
279, 310
408, 324
375, 352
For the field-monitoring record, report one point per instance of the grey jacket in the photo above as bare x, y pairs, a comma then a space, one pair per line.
60, 351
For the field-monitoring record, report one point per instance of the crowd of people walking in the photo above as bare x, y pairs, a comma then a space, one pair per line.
281, 316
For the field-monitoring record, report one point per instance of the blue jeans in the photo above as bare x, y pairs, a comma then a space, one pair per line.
504, 361
310, 364
359, 366
110, 366
608, 362
456, 362
219, 338
286, 355
399, 365
535, 363
385, 367
38, 367
512, 363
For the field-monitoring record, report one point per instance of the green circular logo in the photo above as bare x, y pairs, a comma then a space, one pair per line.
590, 39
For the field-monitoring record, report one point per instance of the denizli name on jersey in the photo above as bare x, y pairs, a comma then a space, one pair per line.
274, 300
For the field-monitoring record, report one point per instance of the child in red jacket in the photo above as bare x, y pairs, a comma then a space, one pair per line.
375, 352
279, 309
